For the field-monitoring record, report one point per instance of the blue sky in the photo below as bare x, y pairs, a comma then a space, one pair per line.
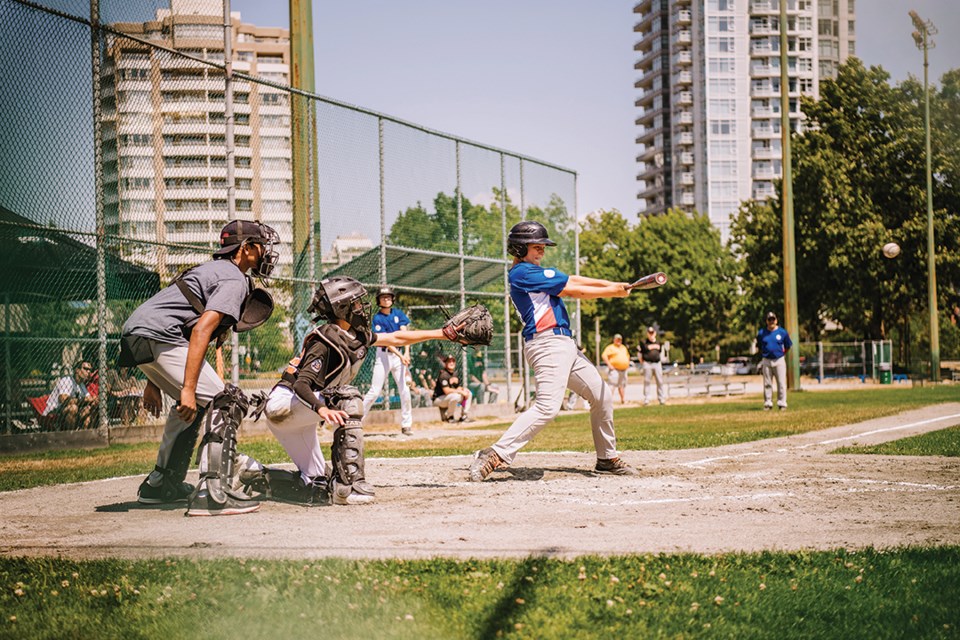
552, 79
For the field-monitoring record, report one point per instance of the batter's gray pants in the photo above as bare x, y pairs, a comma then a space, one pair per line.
654, 370
166, 371
770, 368
558, 364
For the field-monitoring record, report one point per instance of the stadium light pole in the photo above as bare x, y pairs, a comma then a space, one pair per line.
924, 29
789, 244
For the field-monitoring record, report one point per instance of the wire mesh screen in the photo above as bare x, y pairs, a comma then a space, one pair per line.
126, 149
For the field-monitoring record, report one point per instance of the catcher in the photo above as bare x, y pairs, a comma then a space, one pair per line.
316, 386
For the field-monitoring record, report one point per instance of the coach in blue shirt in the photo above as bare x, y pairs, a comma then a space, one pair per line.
773, 342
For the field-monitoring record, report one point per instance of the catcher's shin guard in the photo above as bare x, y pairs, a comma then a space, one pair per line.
348, 483
218, 448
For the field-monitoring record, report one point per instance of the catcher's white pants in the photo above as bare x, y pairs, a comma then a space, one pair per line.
558, 364
294, 425
387, 361
166, 371
653, 370
776, 368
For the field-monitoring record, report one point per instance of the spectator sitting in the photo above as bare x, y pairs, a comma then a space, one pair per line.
125, 394
422, 394
69, 405
448, 394
479, 383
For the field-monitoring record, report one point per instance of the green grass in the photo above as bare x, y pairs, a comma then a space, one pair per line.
677, 426
903, 593
945, 442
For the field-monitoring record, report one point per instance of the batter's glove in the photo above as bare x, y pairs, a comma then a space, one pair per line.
470, 326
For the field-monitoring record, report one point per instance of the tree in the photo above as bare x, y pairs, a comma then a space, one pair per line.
694, 305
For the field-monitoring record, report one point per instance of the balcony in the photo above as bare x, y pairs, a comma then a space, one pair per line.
684, 77
685, 98
686, 178
686, 198
683, 58
686, 117
685, 138
684, 37
686, 159
767, 153
684, 16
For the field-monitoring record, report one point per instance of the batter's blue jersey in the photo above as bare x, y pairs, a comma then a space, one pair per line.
535, 293
388, 323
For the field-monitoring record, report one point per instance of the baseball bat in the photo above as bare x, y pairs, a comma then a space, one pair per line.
651, 281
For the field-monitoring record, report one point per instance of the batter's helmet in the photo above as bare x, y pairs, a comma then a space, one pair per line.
524, 233
336, 299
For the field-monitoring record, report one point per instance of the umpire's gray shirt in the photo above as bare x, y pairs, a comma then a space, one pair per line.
219, 284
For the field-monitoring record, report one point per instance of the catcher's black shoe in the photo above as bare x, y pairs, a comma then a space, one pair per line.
167, 493
615, 467
290, 487
203, 505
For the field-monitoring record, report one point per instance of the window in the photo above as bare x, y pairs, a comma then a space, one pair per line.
274, 99
275, 185
270, 58
722, 107
207, 31
136, 183
136, 206
275, 164
184, 161
274, 142
134, 74
723, 127
277, 206
274, 121
136, 139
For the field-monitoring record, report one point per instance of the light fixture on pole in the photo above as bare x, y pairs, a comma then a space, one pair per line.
925, 29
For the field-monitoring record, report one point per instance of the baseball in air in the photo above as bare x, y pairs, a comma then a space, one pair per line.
891, 250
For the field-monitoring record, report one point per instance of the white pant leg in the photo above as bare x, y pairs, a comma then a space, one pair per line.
766, 368
166, 371
380, 366
658, 376
587, 382
399, 372
780, 371
294, 425
647, 374
552, 359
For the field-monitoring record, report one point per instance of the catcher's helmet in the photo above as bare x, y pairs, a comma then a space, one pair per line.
524, 233
341, 298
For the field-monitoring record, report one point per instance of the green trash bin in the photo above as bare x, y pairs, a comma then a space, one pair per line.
886, 373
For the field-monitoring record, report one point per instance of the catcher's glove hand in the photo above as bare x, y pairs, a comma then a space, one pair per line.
473, 325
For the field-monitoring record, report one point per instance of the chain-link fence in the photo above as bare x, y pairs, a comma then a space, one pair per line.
859, 359
129, 138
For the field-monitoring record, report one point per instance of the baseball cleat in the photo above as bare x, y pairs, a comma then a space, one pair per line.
203, 505
166, 493
485, 461
614, 467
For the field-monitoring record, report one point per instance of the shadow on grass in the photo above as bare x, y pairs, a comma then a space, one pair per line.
503, 612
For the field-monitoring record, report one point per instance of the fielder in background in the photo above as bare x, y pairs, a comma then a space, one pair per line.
168, 336
388, 320
773, 342
617, 358
316, 387
651, 357
552, 353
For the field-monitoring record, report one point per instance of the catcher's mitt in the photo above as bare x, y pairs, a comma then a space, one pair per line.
473, 325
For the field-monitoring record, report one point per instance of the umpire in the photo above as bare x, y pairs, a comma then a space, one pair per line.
168, 335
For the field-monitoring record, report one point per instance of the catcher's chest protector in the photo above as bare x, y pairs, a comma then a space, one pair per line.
345, 358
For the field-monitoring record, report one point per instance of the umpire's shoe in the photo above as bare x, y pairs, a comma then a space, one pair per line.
167, 493
293, 489
614, 467
485, 461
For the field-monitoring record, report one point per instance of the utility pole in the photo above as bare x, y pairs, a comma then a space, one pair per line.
791, 322
925, 29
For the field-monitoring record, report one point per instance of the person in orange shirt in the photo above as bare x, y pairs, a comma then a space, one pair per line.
617, 358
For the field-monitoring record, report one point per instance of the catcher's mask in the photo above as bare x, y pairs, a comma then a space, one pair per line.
237, 233
524, 233
341, 298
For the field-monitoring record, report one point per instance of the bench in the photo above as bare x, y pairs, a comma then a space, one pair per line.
704, 385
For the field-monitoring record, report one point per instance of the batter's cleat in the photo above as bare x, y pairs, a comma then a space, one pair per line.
167, 493
299, 492
203, 505
615, 467
485, 461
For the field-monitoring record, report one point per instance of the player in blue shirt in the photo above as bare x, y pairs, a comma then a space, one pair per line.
773, 342
552, 352
388, 320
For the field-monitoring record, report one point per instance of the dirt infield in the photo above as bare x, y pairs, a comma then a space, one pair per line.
780, 494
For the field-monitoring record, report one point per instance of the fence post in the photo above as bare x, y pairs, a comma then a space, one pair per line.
863, 359
576, 256
508, 347
820, 360
463, 296
104, 419
229, 151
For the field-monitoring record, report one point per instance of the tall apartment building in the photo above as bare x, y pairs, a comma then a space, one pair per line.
165, 175
710, 95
